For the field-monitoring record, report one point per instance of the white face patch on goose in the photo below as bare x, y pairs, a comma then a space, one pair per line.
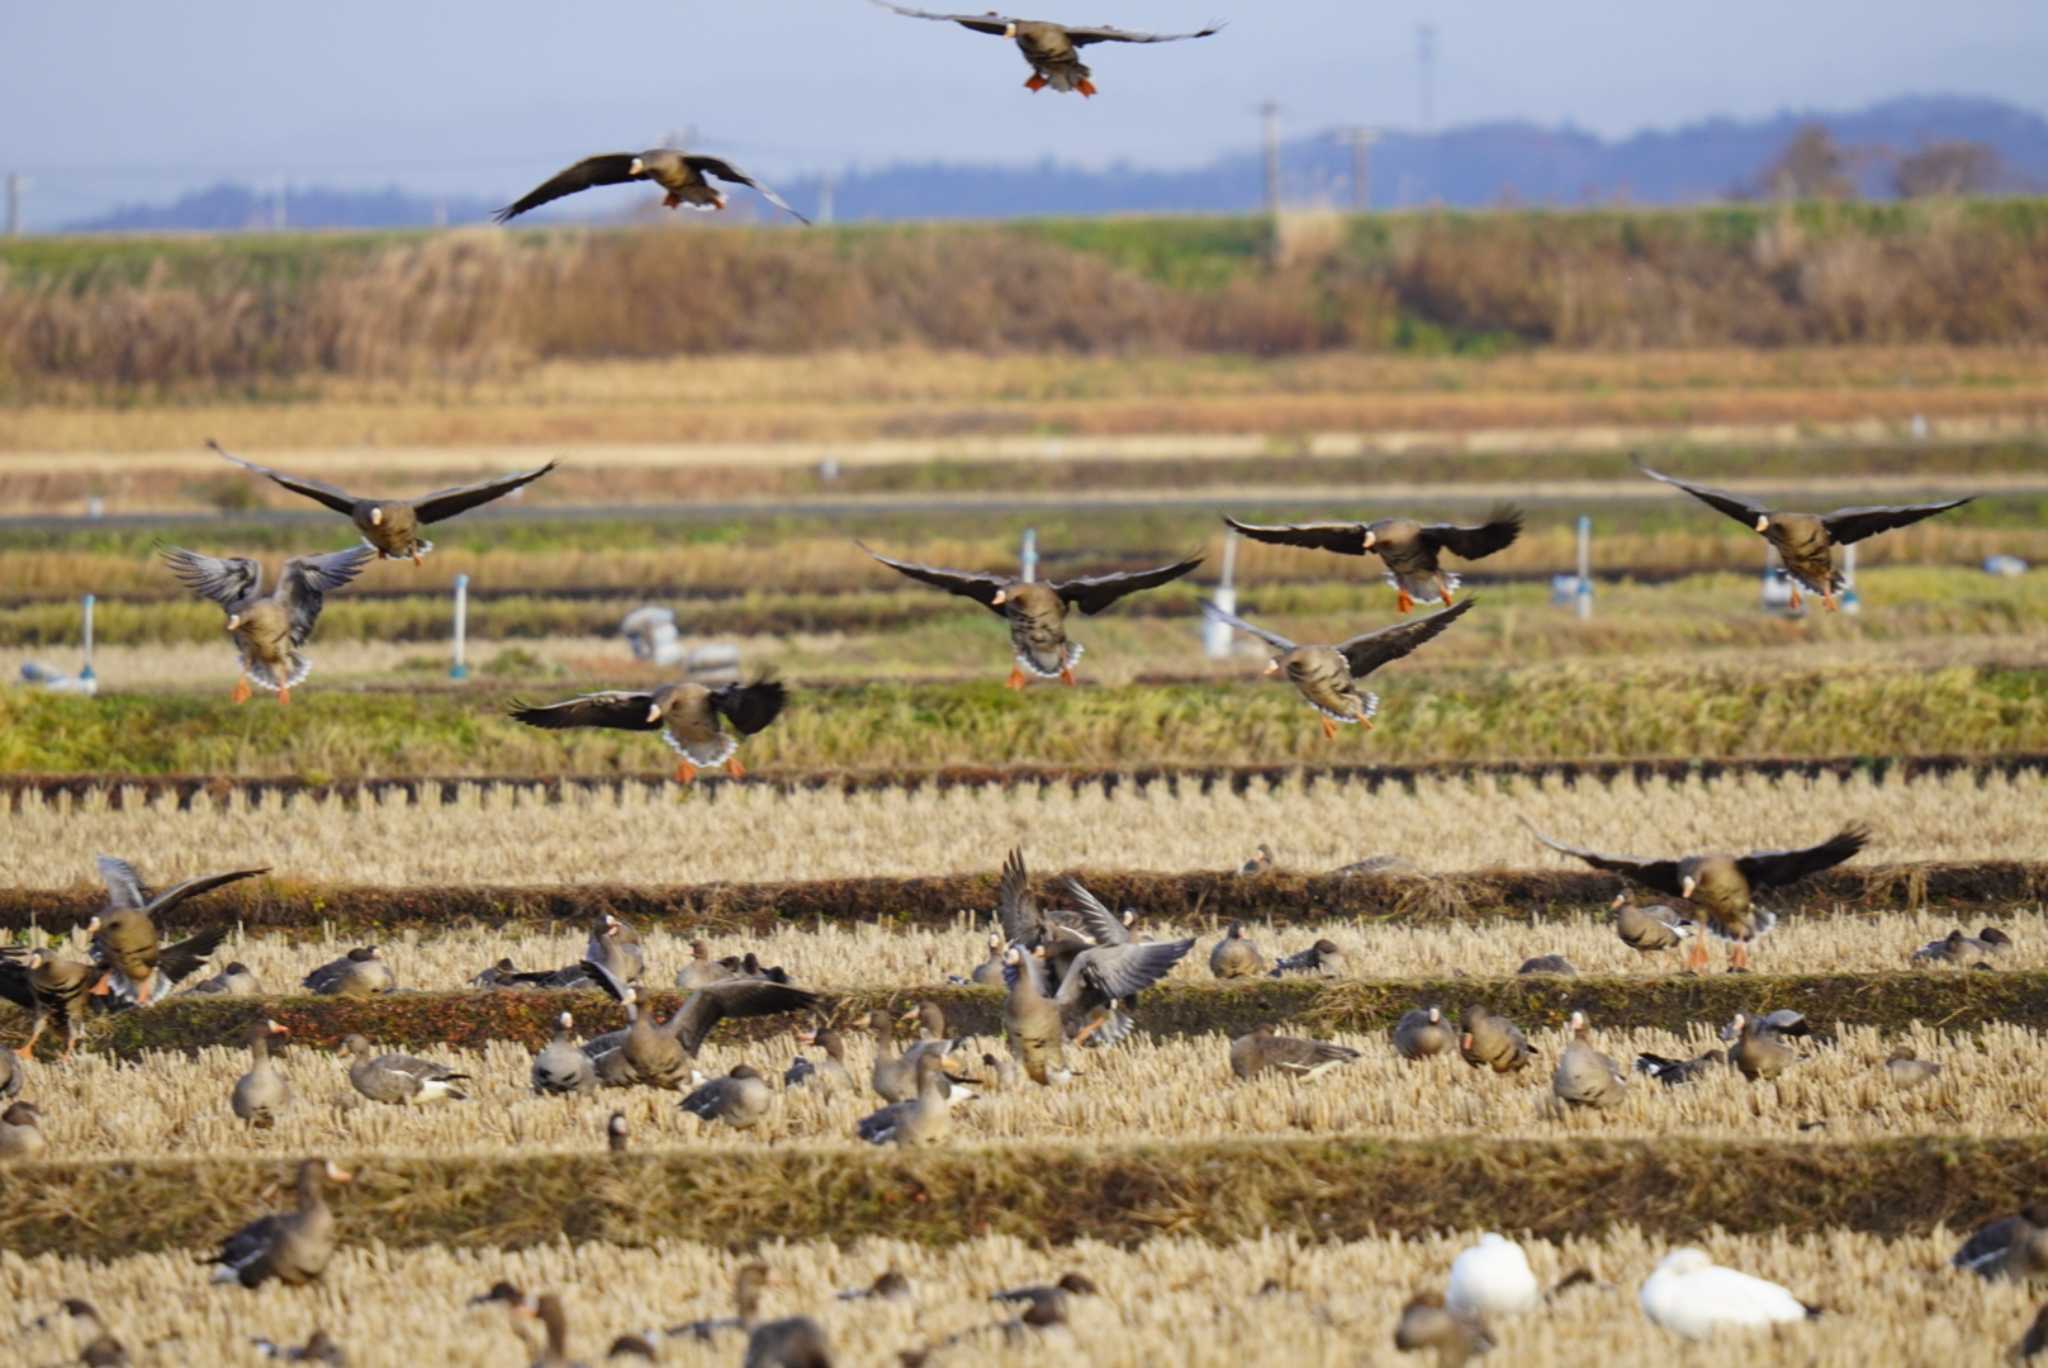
376, 517
1763, 523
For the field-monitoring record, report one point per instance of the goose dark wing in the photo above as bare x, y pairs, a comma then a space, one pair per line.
1081, 37
726, 171
1016, 909
981, 23
1661, 875
1346, 539
225, 582
1367, 653
180, 959
307, 580
1497, 533
1734, 505
125, 889
617, 709
608, 168
1102, 925
1848, 525
750, 707
981, 588
14, 984
1790, 866
1094, 593
340, 500
706, 1007
192, 888
446, 503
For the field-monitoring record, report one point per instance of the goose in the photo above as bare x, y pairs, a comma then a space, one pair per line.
1908, 1071
1038, 1019
1672, 1072
1648, 929
21, 1132
1426, 1323
260, 1094
1236, 956
1259, 862
631, 1346
658, 1056
1585, 1077
682, 174
233, 981
889, 1285
400, 1080
48, 987
359, 973
1965, 951
740, 1099
1001, 1073
291, 1246
893, 1076
748, 1283
1036, 610
268, 629
1100, 925
1692, 1296
615, 1137
690, 718
1328, 676
124, 935
1422, 1034
1324, 959
547, 1309
1487, 1040
1052, 50
1411, 551
989, 973
829, 1074
2035, 1341
1722, 885
320, 1347
561, 1068
701, 971
1759, 1052
2013, 1247
617, 946
793, 1342
13, 1073
1253, 1054
922, 1121
391, 527
1557, 965
1492, 1278
1805, 542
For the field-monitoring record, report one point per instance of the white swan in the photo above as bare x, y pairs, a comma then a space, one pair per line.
1690, 1295
1492, 1278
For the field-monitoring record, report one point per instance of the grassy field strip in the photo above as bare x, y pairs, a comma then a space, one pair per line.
1173, 1298
1951, 1000
513, 836
1051, 1192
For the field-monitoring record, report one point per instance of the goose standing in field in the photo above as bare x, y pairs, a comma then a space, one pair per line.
268, 629
1981, 951
1722, 885
1908, 1071
1253, 1054
1585, 1077
1411, 551
893, 1076
233, 981
700, 971
124, 934
1783, 1023
1492, 1278
48, 987
320, 1347
689, 717
989, 973
1324, 959
618, 947
391, 527
1426, 1323
924, 1120
658, 1056
260, 1094
1260, 861
889, 1285
1488, 1040
554, 1320
741, 1099
1673, 1072
792, 1342
682, 174
1422, 1034
398, 1079
2013, 1247
13, 1073
359, 973
1052, 50
829, 1074
1805, 542
748, 1282
1648, 929
1236, 955
1760, 1051
1692, 1296
21, 1133
561, 1068
1556, 965
1037, 609
291, 1246
1328, 676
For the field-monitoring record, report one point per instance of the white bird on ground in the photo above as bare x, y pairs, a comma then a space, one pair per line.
1492, 1278
1691, 1295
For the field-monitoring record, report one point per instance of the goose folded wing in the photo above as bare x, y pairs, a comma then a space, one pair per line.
1848, 525
307, 580
1345, 538
340, 500
1093, 593
1497, 533
1661, 875
1789, 866
1369, 651
618, 709
446, 503
224, 581
1273, 639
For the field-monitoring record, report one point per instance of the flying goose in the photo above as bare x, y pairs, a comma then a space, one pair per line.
47, 987
923, 1120
400, 1080
1805, 541
1426, 1323
658, 1056
1721, 885
1253, 1054
1236, 955
1327, 676
1422, 1034
1585, 1077
1052, 50
2013, 1247
561, 1068
1492, 1278
260, 1094
268, 629
391, 527
1411, 551
1488, 1040
1692, 1296
1037, 609
1648, 929
688, 716
21, 1132
291, 1246
740, 1099
1039, 1018
124, 935
359, 973
682, 174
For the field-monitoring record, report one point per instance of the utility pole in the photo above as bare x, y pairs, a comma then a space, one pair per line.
1361, 140
1425, 57
825, 188
16, 183
1269, 113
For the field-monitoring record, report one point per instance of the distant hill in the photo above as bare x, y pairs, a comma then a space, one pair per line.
1473, 166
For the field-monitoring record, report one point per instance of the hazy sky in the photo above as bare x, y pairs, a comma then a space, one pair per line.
121, 100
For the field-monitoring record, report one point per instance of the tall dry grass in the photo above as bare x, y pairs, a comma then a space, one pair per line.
514, 835
1169, 1299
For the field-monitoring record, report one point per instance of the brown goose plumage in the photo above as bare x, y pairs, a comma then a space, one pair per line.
268, 628
260, 1094
47, 987
124, 936
1721, 885
1254, 1054
682, 174
658, 1056
1327, 676
689, 717
1584, 1077
1411, 551
1806, 541
291, 1246
1052, 50
1421, 1033
1488, 1040
391, 527
1037, 609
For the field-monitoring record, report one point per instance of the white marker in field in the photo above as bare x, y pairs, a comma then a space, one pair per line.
460, 669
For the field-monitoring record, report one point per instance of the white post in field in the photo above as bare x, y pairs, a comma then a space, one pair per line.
460, 669
1216, 635
85, 673
1027, 555
1852, 602
1584, 598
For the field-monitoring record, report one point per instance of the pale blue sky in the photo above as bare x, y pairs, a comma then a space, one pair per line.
122, 100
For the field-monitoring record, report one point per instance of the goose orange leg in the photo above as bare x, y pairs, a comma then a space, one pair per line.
284, 696
1696, 957
1443, 586
1067, 675
416, 561
241, 693
1329, 729
1085, 86
1738, 958
27, 1050
1827, 601
686, 773
734, 769
1016, 679
1404, 602
1035, 84
1796, 600
672, 200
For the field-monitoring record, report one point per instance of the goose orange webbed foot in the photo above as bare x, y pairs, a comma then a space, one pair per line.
1329, 729
686, 773
1067, 675
241, 693
1086, 87
1404, 602
1035, 84
1016, 679
284, 696
734, 769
